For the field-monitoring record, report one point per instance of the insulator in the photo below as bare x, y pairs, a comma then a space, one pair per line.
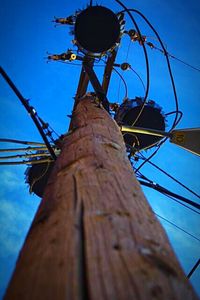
65, 21
125, 66
73, 56
135, 36
121, 19
63, 56
54, 57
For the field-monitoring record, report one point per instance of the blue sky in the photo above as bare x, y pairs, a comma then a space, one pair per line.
26, 34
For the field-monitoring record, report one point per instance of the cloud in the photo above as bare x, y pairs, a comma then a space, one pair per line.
14, 223
10, 179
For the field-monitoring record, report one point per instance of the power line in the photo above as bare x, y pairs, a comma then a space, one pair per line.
25, 155
124, 82
176, 112
182, 204
146, 59
193, 269
21, 142
152, 155
162, 142
166, 56
152, 46
170, 176
168, 196
183, 230
25, 162
31, 111
163, 190
121, 77
28, 149
138, 77
127, 53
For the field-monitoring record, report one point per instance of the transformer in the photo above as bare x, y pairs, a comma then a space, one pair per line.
37, 176
151, 117
97, 30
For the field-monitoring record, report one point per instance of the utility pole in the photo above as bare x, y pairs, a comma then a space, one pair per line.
94, 235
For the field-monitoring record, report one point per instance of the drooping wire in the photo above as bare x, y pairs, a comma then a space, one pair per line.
127, 53
146, 59
193, 269
152, 155
167, 59
170, 176
183, 230
124, 82
121, 78
161, 142
175, 112
142, 82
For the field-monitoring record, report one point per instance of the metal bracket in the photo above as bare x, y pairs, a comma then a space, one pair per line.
96, 84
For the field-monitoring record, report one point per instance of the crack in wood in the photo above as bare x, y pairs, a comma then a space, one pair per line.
79, 225
83, 258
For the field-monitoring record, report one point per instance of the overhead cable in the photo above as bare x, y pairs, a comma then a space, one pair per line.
170, 176
124, 82
146, 60
139, 77
126, 59
21, 142
30, 111
24, 155
152, 46
25, 162
163, 190
182, 204
170, 197
183, 230
166, 56
28, 149
193, 269
152, 155
175, 112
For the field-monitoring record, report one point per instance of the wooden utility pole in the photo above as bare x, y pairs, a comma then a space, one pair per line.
94, 236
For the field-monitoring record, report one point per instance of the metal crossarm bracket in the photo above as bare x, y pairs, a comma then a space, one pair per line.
96, 85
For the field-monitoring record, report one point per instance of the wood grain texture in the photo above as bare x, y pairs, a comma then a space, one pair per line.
95, 236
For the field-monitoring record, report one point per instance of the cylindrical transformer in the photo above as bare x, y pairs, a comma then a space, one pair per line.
97, 30
151, 117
